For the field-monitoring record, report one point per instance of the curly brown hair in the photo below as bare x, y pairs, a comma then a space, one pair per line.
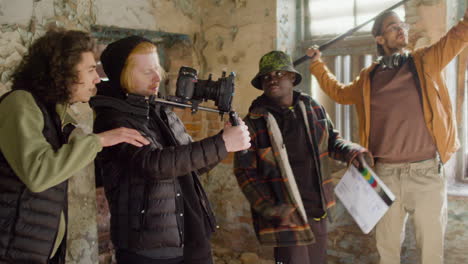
49, 68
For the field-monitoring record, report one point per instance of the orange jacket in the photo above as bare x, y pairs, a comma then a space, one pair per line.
429, 62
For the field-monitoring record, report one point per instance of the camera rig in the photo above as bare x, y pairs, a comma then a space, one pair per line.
191, 92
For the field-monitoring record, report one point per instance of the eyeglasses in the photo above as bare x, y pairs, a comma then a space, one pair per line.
396, 28
274, 75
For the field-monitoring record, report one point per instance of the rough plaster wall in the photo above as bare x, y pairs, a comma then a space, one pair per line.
23, 21
234, 35
180, 16
175, 16
427, 20
165, 15
127, 14
82, 232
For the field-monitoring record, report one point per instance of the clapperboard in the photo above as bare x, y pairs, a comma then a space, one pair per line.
365, 196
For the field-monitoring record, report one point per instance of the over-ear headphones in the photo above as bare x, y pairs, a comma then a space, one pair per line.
393, 61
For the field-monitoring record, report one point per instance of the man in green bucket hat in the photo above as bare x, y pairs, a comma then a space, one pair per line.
285, 173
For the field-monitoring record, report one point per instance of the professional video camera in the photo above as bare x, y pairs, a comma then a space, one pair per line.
191, 89
191, 92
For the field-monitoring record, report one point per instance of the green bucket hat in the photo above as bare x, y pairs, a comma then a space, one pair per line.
274, 61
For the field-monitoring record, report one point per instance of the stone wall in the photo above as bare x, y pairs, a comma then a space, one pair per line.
233, 37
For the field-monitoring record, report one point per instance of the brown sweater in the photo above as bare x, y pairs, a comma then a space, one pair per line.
398, 132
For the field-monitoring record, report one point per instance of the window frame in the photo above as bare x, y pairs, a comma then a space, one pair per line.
360, 43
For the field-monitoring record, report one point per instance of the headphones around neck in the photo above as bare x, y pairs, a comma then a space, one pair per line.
393, 61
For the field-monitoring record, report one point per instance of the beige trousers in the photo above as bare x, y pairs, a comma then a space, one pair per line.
420, 190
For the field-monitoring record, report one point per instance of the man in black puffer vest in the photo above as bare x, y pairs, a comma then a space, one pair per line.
159, 210
36, 156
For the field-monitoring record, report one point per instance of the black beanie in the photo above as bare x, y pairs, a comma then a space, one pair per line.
115, 54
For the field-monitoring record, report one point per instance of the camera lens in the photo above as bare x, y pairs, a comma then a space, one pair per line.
190, 88
186, 83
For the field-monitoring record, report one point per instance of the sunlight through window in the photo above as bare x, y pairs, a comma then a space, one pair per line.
338, 16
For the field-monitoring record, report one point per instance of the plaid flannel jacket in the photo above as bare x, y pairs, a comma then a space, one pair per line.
266, 178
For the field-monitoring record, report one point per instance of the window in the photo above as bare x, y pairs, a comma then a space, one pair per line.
346, 68
333, 17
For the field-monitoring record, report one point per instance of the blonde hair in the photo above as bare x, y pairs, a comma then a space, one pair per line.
126, 78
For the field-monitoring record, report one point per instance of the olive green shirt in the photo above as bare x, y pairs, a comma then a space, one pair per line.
29, 154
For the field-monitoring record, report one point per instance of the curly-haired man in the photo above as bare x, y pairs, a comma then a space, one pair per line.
36, 156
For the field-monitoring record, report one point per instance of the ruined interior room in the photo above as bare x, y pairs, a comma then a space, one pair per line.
213, 36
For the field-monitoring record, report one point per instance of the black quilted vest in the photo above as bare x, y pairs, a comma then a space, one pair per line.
29, 221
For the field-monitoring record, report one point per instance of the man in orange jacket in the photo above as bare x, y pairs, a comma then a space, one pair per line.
406, 121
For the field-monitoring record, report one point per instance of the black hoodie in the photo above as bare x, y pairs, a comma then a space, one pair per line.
293, 130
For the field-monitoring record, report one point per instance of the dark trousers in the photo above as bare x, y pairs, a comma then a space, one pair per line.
311, 254
127, 257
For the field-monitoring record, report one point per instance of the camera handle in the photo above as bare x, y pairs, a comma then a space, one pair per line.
233, 119
232, 114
